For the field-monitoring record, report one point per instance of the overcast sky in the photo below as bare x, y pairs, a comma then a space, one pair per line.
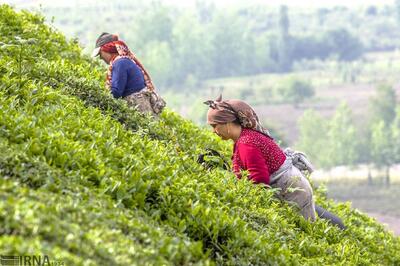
298, 3
302, 3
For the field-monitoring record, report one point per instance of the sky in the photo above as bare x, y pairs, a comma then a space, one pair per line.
299, 3
183, 3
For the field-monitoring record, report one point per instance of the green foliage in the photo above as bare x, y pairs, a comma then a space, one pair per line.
284, 40
294, 90
310, 139
383, 129
382, 144
89, 181
342, 137
397, 10
229, 37
342, 44
383, 105
395, 129
192, 49
210, 42
339, 44
158, 57
339, 145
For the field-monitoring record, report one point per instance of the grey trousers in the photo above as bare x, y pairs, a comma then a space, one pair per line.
295, 189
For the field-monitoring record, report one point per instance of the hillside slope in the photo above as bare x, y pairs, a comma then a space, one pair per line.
88, 181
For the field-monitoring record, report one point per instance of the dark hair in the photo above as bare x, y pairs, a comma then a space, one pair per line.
237, 122
105, 38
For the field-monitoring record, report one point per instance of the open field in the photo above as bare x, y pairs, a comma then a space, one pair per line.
358, 173
392, 222
378, 201
374, 199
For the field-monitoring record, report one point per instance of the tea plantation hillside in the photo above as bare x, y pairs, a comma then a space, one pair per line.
88, 181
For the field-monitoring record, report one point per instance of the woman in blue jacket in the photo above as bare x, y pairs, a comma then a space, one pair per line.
126, 76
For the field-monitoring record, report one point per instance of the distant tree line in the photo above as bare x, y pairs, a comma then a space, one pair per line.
182, 48
211, 44
338, 141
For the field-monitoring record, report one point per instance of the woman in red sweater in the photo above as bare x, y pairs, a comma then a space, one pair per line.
255, 151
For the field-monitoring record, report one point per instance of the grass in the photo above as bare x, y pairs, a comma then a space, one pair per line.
369, 198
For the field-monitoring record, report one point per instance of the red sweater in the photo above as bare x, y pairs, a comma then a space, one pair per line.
258, 154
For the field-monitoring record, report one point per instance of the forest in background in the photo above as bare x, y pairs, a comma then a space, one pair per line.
182, 47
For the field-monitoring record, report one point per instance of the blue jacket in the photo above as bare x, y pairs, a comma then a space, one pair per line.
126, 78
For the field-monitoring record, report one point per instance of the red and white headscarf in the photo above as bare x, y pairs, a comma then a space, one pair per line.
121, 49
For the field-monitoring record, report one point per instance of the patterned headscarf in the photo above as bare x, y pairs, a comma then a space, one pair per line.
226, 111
120, 48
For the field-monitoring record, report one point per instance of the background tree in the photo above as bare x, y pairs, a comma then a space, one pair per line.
209, 42
228, 36
311, 124
295, 90
154, 24
383, 105
364, 152
321, 15
158, 58
342, 137
382, 114
344, 45
395, 130
371, 11
340, 144
205, 10
189, 57
284, 43
382, 148
397, 10
261, 53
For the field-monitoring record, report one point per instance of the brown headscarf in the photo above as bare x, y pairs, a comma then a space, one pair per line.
226, 111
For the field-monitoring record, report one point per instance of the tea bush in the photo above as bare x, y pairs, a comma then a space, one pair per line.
90, 181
